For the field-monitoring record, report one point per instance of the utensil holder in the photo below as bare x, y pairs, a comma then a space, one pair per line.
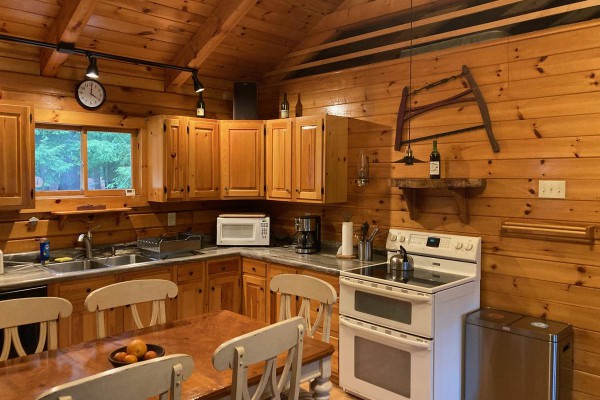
365, 250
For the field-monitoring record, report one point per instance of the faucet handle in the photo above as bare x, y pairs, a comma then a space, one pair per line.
89, 233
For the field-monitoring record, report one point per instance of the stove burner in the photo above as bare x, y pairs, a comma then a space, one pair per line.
418, 277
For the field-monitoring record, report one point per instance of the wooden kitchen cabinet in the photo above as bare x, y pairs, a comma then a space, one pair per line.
191, 281
182, 158
279, 159
254, 289
224, 289
242, 159
145, 309
17, 155
81, 325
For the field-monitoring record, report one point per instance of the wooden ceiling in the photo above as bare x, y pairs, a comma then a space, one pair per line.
254, 40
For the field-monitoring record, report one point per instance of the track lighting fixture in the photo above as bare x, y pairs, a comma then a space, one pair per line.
198, 87
92, 69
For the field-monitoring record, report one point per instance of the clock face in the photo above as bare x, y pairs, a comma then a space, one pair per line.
90, 94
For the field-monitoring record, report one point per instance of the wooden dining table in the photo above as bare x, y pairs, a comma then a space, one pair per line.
27, 377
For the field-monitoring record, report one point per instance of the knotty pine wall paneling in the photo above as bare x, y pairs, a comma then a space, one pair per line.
544, 99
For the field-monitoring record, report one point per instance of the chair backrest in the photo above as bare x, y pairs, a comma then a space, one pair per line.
130, 293
43, 310
308, 288
264, 345
139, 381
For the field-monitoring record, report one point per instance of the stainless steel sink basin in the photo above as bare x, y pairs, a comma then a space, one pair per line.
125, 259
74, 266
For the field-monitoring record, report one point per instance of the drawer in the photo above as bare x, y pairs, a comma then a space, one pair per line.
227, 266
254, 267
77, 291
190, 272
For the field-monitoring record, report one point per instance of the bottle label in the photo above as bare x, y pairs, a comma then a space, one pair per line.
285, 113
200, 112
434, 168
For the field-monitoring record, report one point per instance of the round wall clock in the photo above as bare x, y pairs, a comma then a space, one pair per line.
90, 94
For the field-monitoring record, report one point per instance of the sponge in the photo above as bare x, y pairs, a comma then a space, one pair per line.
63, 259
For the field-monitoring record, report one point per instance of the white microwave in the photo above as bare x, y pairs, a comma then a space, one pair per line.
243, 230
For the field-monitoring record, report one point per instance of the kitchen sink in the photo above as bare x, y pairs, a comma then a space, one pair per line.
74, 266
125, 259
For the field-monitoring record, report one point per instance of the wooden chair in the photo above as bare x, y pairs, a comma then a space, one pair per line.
139, 381
130, 293
264, 345
43, 310
308, 288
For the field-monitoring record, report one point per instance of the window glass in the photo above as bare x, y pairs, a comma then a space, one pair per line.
57, 159
108, 160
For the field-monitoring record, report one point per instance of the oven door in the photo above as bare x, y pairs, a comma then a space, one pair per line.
399, 309
378, 363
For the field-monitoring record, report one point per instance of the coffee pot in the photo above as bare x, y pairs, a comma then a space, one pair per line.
308, 234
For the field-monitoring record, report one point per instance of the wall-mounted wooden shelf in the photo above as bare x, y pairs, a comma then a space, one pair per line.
548, 230
457, 186
63, 215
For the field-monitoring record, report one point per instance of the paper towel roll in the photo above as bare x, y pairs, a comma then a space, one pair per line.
347, 232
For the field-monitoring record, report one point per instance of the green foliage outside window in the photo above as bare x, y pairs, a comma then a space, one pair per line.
58, 160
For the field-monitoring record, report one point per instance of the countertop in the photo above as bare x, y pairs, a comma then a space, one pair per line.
324, 261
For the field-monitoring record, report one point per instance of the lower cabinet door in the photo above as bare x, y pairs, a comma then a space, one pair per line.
255, 299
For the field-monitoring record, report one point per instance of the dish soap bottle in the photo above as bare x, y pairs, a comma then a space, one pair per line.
434, 162
44, 250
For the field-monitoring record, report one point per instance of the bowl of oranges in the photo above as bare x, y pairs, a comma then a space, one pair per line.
136, 350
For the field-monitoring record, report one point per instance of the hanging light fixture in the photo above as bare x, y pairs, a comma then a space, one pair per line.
92, 69
198, 87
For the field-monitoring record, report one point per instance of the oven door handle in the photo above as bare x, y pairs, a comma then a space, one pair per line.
395, 294
408, 343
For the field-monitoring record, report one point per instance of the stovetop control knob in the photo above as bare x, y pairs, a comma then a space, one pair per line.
469, 246
401, 239
393, 238
459, 246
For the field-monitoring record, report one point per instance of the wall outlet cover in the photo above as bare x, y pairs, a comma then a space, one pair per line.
129, 192
171, 219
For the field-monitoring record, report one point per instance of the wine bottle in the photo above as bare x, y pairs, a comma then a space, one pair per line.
434, 162
285, 107
200, 107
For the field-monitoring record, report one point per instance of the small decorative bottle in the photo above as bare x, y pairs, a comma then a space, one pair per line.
200, 107
434, 162
284, 111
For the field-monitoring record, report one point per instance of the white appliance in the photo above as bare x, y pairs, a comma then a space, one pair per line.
243, 230
401, 332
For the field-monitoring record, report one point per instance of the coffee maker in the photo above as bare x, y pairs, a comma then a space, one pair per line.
308, 234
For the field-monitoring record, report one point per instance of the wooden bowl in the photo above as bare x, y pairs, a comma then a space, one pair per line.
154, 347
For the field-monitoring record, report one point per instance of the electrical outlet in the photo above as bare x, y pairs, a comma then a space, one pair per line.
171, 219
552, 189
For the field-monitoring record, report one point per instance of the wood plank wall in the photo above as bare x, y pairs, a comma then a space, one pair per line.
544, 99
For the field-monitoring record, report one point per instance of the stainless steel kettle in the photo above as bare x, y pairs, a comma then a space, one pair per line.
402, 261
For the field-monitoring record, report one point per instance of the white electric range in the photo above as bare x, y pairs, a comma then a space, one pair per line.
401, 332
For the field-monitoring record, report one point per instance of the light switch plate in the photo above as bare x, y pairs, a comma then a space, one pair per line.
171, 219
552, 189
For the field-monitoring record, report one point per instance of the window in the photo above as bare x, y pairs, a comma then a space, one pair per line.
83, 161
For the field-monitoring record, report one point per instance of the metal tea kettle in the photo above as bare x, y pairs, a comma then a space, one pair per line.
402, 261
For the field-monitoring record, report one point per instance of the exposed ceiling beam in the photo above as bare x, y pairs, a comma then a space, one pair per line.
70, 21
219, 23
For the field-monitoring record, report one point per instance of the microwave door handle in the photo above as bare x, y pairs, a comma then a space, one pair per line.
397, 295
405, 342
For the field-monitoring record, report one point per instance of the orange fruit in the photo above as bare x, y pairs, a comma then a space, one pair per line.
137, 348
130, 359
150, 354
120, 356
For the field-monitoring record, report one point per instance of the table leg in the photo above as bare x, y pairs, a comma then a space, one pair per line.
321, 386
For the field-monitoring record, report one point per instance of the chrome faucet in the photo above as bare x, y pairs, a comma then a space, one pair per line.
86, 238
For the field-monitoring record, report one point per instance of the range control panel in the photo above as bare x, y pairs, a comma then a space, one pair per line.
433, 244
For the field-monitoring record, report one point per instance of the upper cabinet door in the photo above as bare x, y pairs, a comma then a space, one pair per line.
308, 159
175, 158
203, 159
279, 159
16, 156
242, 159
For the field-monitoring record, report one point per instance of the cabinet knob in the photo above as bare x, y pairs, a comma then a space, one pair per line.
254, 269
297, 190
199, 290
88, 290
173, 155
191, 273
212, 288
288, 190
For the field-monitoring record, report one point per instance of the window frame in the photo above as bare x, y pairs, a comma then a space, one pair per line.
85, 192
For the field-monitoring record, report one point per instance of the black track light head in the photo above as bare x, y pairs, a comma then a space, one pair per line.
198, 87
92, 69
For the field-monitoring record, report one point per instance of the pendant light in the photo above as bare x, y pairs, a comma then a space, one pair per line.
92, 69
198, 87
